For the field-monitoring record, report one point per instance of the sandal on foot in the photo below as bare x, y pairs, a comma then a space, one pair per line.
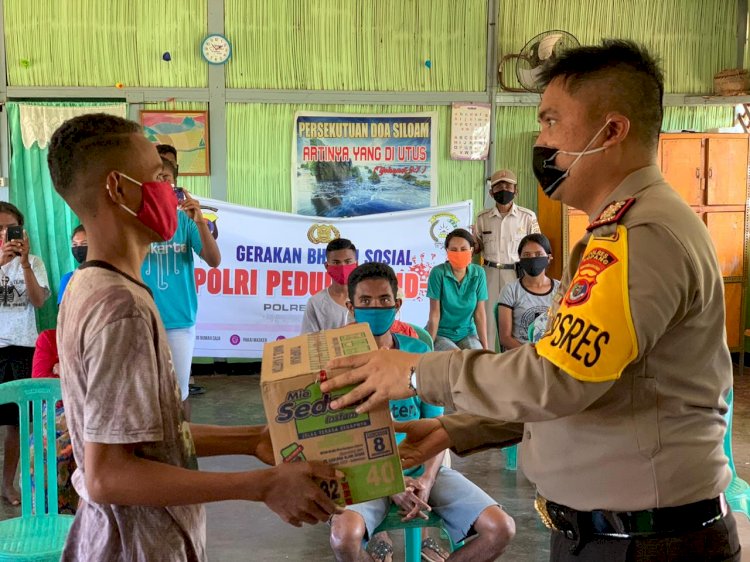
432, 551
380, 550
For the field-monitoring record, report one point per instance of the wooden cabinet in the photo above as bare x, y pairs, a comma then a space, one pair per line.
727, 230
710, 172
680, 161
726, 171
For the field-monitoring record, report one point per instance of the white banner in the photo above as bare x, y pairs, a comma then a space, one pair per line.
273, 262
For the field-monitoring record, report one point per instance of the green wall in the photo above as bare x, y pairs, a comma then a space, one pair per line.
362, 45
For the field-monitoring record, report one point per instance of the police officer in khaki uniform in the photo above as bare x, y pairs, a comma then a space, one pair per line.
499, 230
621, 404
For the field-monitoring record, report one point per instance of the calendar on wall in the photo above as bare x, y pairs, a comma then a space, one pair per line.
470, 131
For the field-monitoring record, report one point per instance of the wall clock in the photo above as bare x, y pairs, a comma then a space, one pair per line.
216, 49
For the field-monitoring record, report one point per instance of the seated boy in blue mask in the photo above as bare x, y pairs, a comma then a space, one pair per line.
468, 512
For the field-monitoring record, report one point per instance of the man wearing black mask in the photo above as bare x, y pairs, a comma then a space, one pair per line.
79, 245
622, 404
499, 231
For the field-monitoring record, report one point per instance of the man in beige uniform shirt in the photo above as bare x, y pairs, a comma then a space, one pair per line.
623, 399
499, 231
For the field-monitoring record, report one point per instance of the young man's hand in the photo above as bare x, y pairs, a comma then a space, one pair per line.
192, 207
423, 493
410, 502
14, 248
22, 247
425, 438
8, 252
293, 492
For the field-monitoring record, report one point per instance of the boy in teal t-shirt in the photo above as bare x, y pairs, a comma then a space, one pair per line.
169, 271
467, 511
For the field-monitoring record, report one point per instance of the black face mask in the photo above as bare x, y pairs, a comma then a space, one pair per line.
534, 266
550, 176
503, 197
547, 174
79, 253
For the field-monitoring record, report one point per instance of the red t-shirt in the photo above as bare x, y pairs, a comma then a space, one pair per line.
399, 327
45, 356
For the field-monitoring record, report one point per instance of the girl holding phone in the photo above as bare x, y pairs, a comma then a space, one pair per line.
23, 288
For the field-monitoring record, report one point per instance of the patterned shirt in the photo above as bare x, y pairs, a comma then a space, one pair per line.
527, 307
17, 314
119, 387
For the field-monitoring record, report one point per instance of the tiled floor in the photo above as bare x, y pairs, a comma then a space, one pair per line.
243, 531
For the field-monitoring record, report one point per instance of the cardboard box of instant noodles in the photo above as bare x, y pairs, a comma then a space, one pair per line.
304, 427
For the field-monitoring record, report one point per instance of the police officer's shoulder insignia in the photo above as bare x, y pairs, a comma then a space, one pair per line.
612, 213
591, 336
594, 262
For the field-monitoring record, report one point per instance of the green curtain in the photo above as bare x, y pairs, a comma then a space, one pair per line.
48, 219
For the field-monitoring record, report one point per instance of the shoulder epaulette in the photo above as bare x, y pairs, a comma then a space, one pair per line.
612, 213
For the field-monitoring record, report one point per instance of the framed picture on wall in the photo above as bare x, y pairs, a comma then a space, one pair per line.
187, 131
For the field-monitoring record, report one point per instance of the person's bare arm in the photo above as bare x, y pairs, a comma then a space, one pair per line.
480, 319
211, 440
210, 252
114, 475
505, 328
425, 482
37, 294
434, 318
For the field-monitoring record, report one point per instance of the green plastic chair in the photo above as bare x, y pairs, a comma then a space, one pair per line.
412, 532
40, 533
424, 336
738, 492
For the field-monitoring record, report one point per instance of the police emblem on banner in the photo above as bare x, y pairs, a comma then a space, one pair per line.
322, 233
441, 225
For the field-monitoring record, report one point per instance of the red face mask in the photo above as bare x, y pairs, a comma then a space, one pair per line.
158, 207
340, 273
461, 259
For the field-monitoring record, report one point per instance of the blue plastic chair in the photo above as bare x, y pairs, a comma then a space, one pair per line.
40, 533
738, 492
424, 336
412, 532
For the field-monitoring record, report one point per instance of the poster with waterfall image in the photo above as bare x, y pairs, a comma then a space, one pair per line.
349, 165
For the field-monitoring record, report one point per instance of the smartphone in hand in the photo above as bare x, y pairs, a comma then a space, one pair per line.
180, 192
14, 233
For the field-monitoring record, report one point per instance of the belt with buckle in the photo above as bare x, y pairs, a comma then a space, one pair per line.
499, 265
625, 524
